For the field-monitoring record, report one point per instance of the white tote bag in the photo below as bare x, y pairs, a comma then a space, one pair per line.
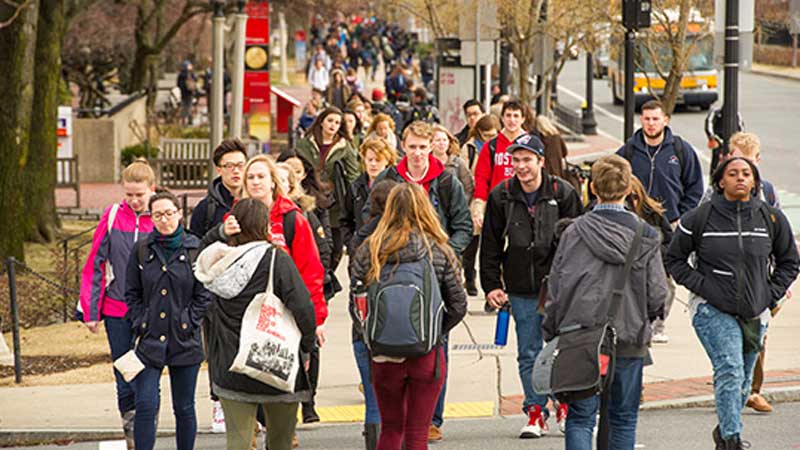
269, 341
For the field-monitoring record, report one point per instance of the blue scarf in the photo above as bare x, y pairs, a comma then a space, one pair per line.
169, 243
478, 146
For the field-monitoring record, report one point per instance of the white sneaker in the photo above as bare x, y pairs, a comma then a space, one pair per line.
660, 338
536, 426
217, 418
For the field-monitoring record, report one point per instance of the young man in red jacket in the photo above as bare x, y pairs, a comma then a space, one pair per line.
494, 164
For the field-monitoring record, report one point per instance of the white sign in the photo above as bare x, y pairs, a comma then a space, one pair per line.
485, 53
456, 86
64, 132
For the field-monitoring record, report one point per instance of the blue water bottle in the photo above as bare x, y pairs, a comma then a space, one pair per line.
501, 329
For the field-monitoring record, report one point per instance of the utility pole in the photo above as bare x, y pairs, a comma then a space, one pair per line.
730, 107
630, 99
588, 122
218, 72
237, 102
477, 50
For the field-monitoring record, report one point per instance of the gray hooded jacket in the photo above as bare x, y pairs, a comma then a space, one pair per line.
590, 254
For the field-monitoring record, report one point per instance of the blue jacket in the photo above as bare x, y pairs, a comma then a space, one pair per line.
166, 304
678, 190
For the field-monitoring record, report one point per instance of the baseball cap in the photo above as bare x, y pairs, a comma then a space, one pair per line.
527, 142
377, 95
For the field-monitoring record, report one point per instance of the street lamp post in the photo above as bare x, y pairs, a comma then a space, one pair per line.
588, 122
730, 106
237, 102
218, 70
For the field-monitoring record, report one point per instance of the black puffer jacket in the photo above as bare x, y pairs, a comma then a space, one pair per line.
733, 258
354, 201
448, 274
519, 266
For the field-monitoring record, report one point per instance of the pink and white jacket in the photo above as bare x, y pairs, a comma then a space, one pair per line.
101, 294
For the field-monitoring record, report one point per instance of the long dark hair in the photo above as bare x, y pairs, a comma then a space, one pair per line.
720, 173
315, 130
311, 183
253, 218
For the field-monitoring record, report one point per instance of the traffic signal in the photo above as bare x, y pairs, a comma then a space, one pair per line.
636, 14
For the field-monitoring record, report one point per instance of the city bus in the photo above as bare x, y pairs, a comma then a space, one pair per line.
699, 82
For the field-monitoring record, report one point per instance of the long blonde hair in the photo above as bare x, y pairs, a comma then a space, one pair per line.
644, 200
408, 210
452, 142
296, 192
545, 127
139, 171
277, 190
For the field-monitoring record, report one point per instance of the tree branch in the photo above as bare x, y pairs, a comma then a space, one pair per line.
19, 8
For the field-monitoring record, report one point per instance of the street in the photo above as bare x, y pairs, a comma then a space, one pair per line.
767, 104
657, 430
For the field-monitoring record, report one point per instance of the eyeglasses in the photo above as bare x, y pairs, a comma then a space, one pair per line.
231, 166
157, 217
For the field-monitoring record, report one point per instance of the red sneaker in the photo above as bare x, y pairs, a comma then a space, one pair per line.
561, 417
536, 426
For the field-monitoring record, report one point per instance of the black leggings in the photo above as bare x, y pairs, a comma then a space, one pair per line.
468, 258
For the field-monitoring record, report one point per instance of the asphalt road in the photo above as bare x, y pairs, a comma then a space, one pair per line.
690, 429
770, 108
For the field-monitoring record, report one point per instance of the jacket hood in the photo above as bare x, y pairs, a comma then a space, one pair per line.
413, 251
220, 193
639, 143
281, 206
226, 270
435, 168
610, 241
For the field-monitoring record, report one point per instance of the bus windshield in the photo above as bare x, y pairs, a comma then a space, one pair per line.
701, 58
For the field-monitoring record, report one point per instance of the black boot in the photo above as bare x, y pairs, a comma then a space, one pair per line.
472, 290
309, 413
371, 433
719, 443
735, 443
128, 418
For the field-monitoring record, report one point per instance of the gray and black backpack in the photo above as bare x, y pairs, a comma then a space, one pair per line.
405, 310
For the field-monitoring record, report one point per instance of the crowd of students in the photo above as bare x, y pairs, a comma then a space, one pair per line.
400, 193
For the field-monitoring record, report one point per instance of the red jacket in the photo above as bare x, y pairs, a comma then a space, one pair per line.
304, 252
489, 174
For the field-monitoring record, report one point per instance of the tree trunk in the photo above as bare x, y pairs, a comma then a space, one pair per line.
40, 173
17, 49
139, 69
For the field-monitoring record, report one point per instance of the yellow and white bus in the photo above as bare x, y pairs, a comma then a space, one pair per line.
699, 81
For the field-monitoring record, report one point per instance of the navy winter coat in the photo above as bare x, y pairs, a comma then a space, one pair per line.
166, 304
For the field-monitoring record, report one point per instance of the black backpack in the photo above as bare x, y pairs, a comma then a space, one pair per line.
628, 151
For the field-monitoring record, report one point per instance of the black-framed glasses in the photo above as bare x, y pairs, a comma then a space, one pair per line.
231, 166
157, 217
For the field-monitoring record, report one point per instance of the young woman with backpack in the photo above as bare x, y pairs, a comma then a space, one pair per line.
236, 273
746, 258
103, 278
166, 306
408, 243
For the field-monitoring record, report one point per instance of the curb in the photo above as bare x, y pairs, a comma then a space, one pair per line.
17, 438
775, 74
773, 395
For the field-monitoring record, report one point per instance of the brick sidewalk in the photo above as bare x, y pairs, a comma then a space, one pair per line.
675, 389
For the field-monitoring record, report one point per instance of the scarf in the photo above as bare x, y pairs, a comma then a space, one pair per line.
169, 243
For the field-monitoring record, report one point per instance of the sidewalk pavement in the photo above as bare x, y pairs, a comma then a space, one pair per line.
787, 72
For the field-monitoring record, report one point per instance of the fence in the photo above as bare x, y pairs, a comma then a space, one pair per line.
187, 163
67, 176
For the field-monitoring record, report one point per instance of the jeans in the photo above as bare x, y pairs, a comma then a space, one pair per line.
183, 382
407, 394
240, 422
623, 410
371, 414
438, 413
120, 339
528, 324
721, 337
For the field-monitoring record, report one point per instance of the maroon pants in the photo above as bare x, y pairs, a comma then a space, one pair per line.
407, 394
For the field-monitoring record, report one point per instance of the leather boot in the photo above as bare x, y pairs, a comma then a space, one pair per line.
127, 428
309, 413
719, 443
371, 433
736, 443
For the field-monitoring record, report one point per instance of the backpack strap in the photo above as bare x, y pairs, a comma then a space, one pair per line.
492, 151
112, 216
680, 153
510, 208
141, 251
211, 211
701, 215
768, 213
288, 227
627, 150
